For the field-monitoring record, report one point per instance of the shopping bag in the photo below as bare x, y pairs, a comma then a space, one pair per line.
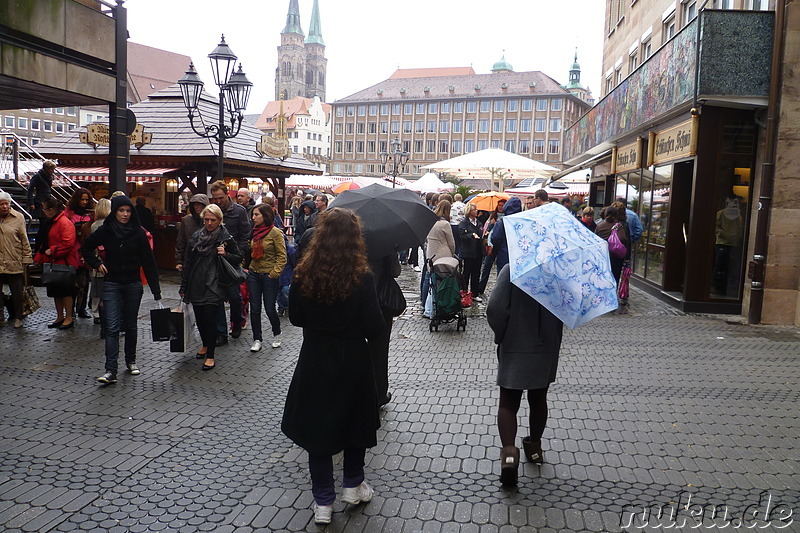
30, 300
160, 323
182, 322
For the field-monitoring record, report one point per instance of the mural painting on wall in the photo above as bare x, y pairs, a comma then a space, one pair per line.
663, 82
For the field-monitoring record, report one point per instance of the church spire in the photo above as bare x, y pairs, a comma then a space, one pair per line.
315, 29
293, 19
575, 73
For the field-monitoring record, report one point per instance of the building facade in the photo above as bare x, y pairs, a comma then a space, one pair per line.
683, 138
307, 126
635, 30
441, 113
302, 66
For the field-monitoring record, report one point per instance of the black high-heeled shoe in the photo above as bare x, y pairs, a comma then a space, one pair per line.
55, 325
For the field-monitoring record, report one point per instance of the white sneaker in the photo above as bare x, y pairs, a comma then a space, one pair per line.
256, 346
276, 341
417, 269
133, 370
322, 513
356, 495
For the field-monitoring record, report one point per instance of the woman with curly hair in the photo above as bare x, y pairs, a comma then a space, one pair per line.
332, 401
78, 212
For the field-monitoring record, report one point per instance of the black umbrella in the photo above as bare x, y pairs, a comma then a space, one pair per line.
393, 219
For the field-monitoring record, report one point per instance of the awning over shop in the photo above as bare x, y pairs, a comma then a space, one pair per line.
134, 174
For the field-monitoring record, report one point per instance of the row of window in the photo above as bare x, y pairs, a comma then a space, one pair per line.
69, 111
499, 125
669, 26
408, 108
35, 124
32, 141
444, 146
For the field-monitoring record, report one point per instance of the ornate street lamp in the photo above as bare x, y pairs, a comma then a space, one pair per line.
394, 162
234, 92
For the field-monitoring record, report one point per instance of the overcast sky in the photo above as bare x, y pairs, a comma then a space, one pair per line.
366, 40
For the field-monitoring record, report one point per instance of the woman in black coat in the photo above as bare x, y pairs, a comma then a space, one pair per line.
200, 276
469, 231
332, 402
126, 250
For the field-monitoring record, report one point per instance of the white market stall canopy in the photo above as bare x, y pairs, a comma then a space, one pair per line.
430, 182
493, 163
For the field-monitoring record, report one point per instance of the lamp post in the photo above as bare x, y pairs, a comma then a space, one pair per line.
234, 91
394, 162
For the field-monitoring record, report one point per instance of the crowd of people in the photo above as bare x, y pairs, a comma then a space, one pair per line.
324, 278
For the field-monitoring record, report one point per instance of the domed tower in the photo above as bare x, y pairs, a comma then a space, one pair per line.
575, 74
316, 63
502, 65
290, 73
574, 86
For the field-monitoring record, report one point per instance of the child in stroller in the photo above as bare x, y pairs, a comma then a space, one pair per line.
446, 294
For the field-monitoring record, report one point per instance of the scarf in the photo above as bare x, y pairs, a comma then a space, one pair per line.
207, 240
259, 232
122, 231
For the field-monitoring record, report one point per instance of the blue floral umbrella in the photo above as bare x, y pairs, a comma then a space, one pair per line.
555, 259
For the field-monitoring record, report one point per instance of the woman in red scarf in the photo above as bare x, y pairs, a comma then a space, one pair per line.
267, 259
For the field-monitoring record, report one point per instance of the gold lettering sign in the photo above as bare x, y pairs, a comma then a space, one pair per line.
674, 143
100, 135
273, 147
629, 157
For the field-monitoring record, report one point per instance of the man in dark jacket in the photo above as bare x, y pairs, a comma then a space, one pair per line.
234, 216
146, 217
499, 243
307, 218
40, 189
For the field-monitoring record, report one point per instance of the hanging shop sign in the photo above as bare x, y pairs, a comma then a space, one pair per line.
273, 147
673, 143
629, 156
100, 135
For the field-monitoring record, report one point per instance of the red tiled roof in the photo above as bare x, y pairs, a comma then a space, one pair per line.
151, 70
298, 105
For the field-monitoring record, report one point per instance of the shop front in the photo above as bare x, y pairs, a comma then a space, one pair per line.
683, 162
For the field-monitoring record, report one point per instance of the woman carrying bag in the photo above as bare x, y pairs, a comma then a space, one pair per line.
200, 284
60, 247
126, 251
15, 256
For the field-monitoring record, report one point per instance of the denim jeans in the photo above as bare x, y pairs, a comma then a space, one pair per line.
283, 297
235, 299
263, 288
121, 309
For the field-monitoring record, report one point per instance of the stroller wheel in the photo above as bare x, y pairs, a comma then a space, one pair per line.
430, 327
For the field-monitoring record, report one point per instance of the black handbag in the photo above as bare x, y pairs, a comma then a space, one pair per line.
390, 296
58, 276
229, 275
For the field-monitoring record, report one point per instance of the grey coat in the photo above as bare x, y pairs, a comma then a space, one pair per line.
528, 337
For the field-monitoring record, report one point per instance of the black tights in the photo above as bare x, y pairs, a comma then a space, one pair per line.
507, 414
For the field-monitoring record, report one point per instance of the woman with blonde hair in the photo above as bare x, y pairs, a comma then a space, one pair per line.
200, 284
101, 212
332, 403
469, 232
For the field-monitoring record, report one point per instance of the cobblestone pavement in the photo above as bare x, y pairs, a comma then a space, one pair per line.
648, 408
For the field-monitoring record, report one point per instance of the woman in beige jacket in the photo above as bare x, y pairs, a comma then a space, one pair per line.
15, 255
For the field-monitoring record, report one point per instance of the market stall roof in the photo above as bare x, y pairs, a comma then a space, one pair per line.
133, 174
174, 143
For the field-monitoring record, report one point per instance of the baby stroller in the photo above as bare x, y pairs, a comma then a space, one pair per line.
446, 294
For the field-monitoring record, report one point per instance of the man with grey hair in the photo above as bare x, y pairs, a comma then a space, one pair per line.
243, 199
15, 256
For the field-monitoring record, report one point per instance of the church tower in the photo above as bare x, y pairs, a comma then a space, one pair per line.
291, 69
316, 63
